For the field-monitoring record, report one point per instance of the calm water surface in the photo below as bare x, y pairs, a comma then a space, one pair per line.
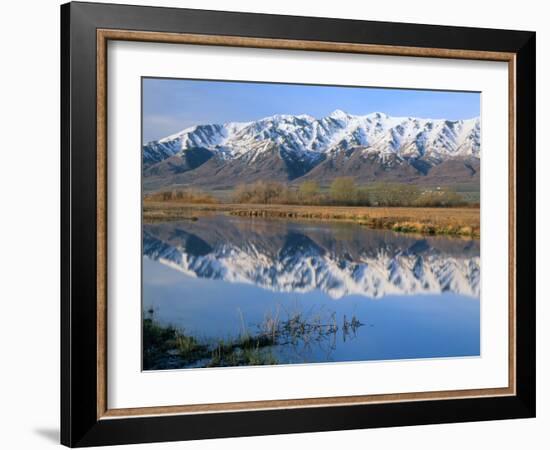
336, 292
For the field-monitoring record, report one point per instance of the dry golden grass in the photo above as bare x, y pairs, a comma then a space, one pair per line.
452, 221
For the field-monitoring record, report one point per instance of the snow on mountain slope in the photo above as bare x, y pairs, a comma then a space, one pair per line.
309, 139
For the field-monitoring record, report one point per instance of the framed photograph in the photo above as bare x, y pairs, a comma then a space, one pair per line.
277, 224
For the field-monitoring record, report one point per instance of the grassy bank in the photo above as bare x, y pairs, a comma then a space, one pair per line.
167, 347
444, 221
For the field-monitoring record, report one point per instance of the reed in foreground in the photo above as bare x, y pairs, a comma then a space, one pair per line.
168, 347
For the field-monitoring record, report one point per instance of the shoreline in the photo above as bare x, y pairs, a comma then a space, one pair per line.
461, 222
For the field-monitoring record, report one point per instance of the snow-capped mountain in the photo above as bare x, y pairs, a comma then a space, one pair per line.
287, 147
294, 261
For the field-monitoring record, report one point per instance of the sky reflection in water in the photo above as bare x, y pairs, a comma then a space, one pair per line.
415, 297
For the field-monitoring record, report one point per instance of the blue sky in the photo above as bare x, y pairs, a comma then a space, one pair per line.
170, 105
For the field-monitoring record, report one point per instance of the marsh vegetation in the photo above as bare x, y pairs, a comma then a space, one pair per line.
391, 206
169, 347
463, 222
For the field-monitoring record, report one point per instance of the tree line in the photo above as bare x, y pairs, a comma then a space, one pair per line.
182, 195
344, 191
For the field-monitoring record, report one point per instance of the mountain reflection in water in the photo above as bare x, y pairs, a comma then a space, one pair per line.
228, 291
338, 259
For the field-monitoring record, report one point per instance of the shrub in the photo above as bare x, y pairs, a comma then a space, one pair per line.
184, 195
440, 198
309, 192
343, 190
264, 192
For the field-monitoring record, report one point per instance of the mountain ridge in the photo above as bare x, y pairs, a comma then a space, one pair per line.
294, 146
